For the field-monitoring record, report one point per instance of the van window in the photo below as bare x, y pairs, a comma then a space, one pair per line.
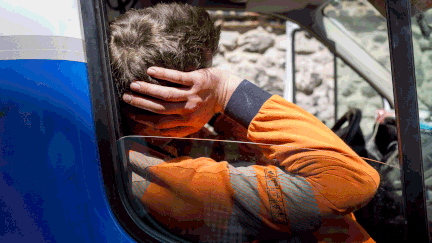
253, 47
316, 84
364, 24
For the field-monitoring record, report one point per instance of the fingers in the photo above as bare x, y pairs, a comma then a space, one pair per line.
160, 92
154, 105
172, 75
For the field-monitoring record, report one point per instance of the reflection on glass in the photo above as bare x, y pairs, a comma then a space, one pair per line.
365, 25
148, 181
422, 43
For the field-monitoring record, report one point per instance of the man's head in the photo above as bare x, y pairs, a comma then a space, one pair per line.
174, 36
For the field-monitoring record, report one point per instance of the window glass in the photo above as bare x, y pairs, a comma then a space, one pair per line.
360, 20
314, 77
253, 47
315, 85
354, 92
314, 65
167, 196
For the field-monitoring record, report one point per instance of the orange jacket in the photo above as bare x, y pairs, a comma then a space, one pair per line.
311, 191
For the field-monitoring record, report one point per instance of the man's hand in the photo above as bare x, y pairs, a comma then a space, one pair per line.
188, 108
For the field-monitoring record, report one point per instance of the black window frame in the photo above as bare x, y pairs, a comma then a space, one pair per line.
407, 115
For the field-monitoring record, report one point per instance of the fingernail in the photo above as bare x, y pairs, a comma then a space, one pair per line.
127, 98
135, 86
151, 71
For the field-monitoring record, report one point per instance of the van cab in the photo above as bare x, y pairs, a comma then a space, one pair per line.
64, 175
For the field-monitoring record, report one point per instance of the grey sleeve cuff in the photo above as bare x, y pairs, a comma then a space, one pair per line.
245, 103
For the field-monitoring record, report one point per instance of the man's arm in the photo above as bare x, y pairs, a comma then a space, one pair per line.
318, 176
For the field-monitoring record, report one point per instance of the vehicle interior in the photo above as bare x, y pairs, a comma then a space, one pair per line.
353, 36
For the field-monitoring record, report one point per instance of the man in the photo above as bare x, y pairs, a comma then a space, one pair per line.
174, 36
308, 195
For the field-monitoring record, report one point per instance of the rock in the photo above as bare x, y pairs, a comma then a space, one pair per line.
381, 38
425, 92
370, 12
272, 57
217, 60
382, 54
349, 90
326, 71
264, 62
330, 83
421, 68
344, 13
308, 83
222, 49
251, 57
281, 42
325, 111
417, 34
304, 45
424, 44
323, 56
235, 57
376, 102
305, 102
426, 67
247, 71
368, 91
276, 72
226, 67
428, 16
257, 40
279, 86
228, 39
262, 79
270, 83
321, 91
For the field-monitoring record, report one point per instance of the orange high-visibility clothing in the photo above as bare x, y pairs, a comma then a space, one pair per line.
310, 192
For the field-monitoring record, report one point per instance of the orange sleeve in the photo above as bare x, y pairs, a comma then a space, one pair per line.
317, 180
341, 181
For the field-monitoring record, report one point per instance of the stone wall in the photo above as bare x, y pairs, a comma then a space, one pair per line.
258, 53
254, 47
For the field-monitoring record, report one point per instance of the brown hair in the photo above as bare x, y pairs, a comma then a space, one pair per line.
174, 36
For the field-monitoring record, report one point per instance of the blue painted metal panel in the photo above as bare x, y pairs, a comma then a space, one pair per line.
50, 179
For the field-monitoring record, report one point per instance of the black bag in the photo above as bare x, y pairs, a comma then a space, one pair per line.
383, 216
